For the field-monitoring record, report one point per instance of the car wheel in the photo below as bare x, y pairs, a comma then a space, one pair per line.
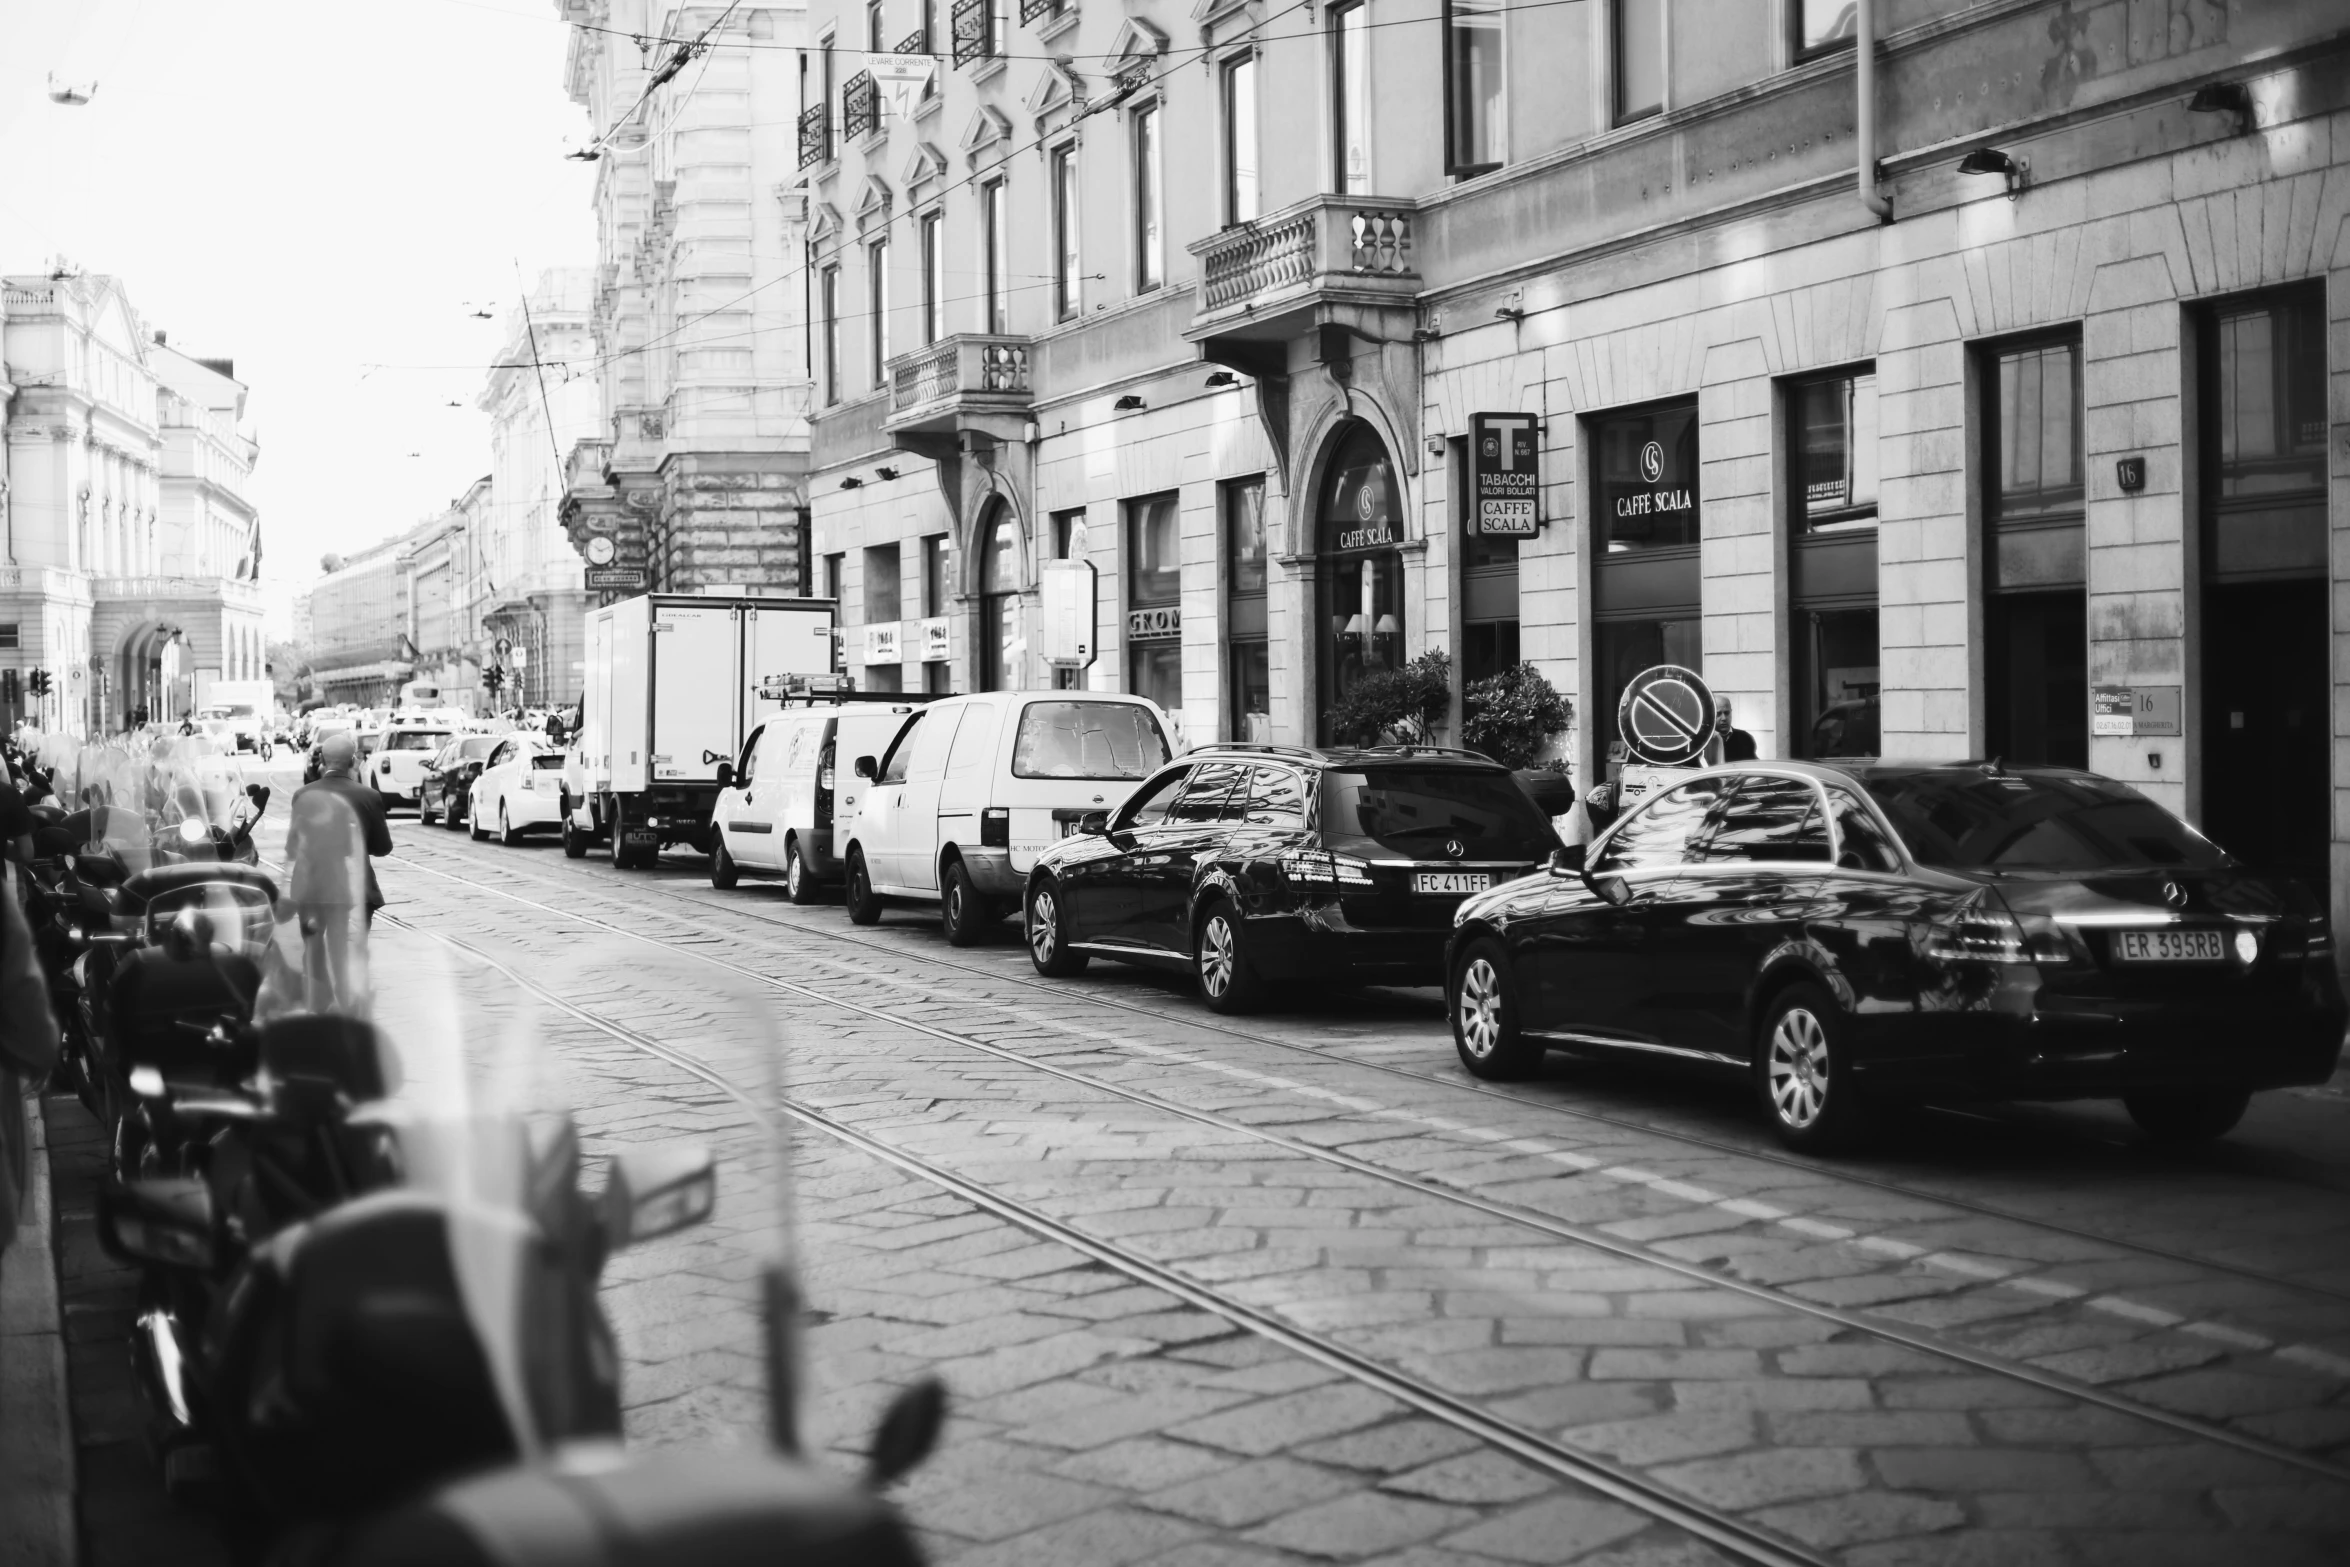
863, 902
1048, 939
724, 873
506, 833
2182, 1119
966, 913
623, 857
424, 818
1803, 1071
473, 827
1483, 1001
575, 843
798, 885
1227, 980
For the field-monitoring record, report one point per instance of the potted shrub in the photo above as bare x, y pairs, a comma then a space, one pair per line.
1511, 717
1395, 704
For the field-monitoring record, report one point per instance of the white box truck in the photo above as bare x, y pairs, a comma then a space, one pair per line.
674, 683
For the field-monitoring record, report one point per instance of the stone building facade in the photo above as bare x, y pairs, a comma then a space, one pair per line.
695, 473
133, 553
2049, 461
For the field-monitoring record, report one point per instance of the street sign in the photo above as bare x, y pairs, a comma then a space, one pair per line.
934, 639
2136, 712
1068, 615
881, 644
1505, 475
632, 577
504, 647
1666, 716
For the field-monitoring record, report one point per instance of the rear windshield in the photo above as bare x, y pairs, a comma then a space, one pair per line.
479, 745
416, 740
547, 762
1087, 740
1421, 812
2001, 821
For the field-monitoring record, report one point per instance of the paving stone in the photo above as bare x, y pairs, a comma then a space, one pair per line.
1872, 1428
1837, 1522
1276, 1423
1974, 1548
1250, 1493
1112, 1537
1360, 1525
1757, 1479
1664, 1438
1659, 1365
1978, 1469
1476, 1478
1557, 1530
1396, 1446
1143, 1463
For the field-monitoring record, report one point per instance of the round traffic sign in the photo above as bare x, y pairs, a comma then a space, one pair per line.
1666, 716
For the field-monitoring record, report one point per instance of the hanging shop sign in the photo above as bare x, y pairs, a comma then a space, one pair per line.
630, 577
1505, 475
2136, 712
882, 644
1154, 624
1066, 613
934, 639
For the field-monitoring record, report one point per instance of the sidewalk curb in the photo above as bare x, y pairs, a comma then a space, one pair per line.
36, 1425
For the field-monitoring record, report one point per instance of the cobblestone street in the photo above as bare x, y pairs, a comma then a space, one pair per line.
1293, 1288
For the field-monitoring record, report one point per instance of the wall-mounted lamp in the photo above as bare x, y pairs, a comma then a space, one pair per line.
1385, 626
1222, 378
1126, 404
1990, 160
2225, 98
852, 482
1426, 334
885, 473
1509, 313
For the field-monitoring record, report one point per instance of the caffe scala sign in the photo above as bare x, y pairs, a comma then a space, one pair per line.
1663, 496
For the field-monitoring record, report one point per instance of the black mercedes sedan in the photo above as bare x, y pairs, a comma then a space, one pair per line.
1251, 865
1849, 933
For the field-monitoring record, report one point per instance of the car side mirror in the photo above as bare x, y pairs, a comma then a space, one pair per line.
1612, 889
658, 1188
1567, 861
163, 1221
726, 775
866, 767
1094, 824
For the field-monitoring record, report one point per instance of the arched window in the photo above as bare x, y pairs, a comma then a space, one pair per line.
1003, 639
1359, 523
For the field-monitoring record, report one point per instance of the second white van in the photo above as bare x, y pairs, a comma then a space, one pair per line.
783, 802
956, 811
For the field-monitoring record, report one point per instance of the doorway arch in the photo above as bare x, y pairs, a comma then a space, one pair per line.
1359, 612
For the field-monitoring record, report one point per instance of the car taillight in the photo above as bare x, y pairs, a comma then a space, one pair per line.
995, 828
1984, 931
824, 779
1321, 868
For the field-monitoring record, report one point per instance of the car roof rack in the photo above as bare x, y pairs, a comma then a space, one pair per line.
1259, 748
1422, 750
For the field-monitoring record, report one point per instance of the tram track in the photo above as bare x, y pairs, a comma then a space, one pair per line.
1067, 993
1485, 1208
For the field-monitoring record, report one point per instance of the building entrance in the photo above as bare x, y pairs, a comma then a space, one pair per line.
2265, 730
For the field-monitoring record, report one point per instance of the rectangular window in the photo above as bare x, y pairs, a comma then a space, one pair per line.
1821, 25
877, 307
882, 602
995, 243
1068, 291
1149, 264
934, 40
1647, 589
1154, 552
1648, 479
1832, 553
828, 306
1248, 656
2036, 613
1350, 99
834, 565
2038, 431
999, 26
1240, 140
934, 263
873, 26
934, 575
1640, 59
9, 634
1477, 116
1489, 587
1069, 534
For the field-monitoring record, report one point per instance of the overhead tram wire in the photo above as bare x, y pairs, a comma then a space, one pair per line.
686, 50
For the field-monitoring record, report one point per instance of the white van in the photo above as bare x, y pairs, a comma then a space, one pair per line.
976, 786
780, 805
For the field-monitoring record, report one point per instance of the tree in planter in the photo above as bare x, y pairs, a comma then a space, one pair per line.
1513, 715
1407, 702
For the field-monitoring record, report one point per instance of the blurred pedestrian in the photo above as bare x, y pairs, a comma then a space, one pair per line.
336, 825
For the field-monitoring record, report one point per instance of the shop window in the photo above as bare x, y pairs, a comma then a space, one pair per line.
881, 584
1154, 594
1489, 587
1832, 526
1360, 625
1475, 82
1645, 577
1248, 656
1350, 98
1640, 58
2264, 415
2036, 644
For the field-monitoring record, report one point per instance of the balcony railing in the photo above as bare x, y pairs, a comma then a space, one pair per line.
815, 134
1326, 246
860, 108
970, 372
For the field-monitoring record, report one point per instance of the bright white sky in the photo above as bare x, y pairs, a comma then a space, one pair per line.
310, 188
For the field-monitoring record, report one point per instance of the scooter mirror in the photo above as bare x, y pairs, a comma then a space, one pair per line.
653, 1191
163, 1221
100, 870
908, 1431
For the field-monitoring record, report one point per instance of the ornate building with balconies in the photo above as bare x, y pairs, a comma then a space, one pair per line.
133, 552
695, 474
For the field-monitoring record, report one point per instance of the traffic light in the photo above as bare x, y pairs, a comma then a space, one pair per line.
8, 687
38, 682
493, 679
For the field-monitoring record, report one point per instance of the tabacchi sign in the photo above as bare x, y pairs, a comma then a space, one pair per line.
1505, 475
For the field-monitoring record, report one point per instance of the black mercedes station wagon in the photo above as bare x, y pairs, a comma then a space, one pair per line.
1252, 865
1849, 933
